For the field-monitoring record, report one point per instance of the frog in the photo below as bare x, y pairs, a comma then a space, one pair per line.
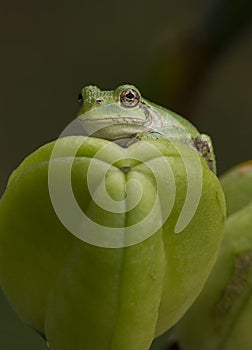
123, 116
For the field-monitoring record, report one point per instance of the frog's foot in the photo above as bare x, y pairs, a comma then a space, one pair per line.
203, 144
148, 136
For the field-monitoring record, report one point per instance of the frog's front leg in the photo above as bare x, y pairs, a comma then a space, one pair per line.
202, 143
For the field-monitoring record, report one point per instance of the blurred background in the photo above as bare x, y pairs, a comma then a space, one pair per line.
191, 56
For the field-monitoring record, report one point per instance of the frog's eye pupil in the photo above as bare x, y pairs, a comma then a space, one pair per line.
80, 99
130, 95
129, 98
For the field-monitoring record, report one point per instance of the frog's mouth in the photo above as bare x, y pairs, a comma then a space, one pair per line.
115, 128
111, 122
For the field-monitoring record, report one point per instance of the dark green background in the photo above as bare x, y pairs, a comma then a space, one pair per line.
49, 50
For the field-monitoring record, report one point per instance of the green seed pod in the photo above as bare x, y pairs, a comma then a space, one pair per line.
237, 186
221, 316
126, 270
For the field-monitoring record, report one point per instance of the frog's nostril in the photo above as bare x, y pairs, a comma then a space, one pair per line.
80, 99
99, 100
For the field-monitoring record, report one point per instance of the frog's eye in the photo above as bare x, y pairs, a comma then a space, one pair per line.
80, 99
129, 98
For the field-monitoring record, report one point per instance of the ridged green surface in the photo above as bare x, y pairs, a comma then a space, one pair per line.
83, 296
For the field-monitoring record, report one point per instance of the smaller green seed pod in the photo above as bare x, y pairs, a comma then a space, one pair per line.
221, 317
237, 186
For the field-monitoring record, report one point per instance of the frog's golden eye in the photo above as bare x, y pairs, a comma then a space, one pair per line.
129, 98
80, 99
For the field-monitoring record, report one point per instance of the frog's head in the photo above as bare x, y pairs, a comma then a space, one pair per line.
113, 115
123, 116
124, 97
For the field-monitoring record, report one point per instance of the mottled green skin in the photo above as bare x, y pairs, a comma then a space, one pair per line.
102, 114
111, 99
221, 317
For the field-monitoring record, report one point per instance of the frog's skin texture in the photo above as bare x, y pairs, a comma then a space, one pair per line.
83, 296
221, 317
124, 116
